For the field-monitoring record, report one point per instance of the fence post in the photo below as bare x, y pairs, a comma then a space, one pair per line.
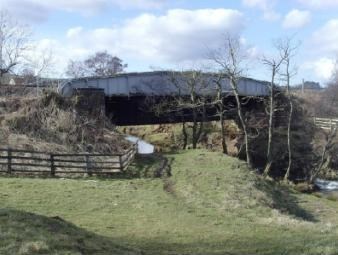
88, 166
52, 166
9, 161
121, 163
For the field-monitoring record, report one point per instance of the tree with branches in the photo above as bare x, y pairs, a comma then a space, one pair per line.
287, 49
188, 103
274, 65
14, 43
191, 86
100, 64
221, 109
230, 60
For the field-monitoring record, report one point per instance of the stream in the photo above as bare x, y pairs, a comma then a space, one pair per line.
327, 188
142, 146
326, 185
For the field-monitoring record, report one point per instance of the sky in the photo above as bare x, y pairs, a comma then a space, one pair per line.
180, 34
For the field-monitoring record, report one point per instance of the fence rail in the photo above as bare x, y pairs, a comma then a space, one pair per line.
26, 161
325, 123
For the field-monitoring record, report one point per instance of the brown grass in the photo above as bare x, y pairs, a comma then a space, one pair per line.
51, 123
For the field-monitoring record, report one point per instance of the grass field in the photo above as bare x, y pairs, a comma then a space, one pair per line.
211, 205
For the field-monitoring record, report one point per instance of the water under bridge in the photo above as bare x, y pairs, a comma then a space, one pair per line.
130, 97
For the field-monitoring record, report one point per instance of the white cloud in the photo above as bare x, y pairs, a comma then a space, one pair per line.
88, 5
322, 67
319, 4
74, 32
262, 4
325, 39
140, 4
177, 36
254, 53
40, 58
271, 15
267, 6
38, 10
296, 19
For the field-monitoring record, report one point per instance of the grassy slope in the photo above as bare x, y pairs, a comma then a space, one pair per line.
211, 205
27, 233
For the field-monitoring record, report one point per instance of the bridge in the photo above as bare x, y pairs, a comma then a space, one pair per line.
126, 94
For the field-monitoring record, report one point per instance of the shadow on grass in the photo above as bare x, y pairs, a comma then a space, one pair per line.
284, 200
28, 233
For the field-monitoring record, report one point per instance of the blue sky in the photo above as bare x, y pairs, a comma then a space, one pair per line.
176, 34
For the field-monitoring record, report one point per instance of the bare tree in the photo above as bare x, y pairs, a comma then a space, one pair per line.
287, 50
221, 107
185, 135
41, 63
230, 60
187, 103
28, 75
274, 66
221, 110
100, 64
190, 86
76, 69
14, 43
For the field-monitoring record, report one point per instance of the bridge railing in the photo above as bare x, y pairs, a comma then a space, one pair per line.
14, 161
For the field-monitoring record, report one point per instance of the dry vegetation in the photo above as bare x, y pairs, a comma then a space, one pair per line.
169, 137
314, 102
49, 122
322, 104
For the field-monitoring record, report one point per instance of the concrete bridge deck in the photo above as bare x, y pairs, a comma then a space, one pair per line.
160, 83
126, 95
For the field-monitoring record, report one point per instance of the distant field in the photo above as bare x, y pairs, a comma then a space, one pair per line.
211, 205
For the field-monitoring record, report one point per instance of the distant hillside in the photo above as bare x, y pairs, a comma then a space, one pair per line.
308, 85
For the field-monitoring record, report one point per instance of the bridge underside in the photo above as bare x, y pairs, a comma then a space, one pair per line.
139, 110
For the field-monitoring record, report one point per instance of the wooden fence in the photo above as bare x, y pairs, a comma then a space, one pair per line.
25, 161
325, 123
